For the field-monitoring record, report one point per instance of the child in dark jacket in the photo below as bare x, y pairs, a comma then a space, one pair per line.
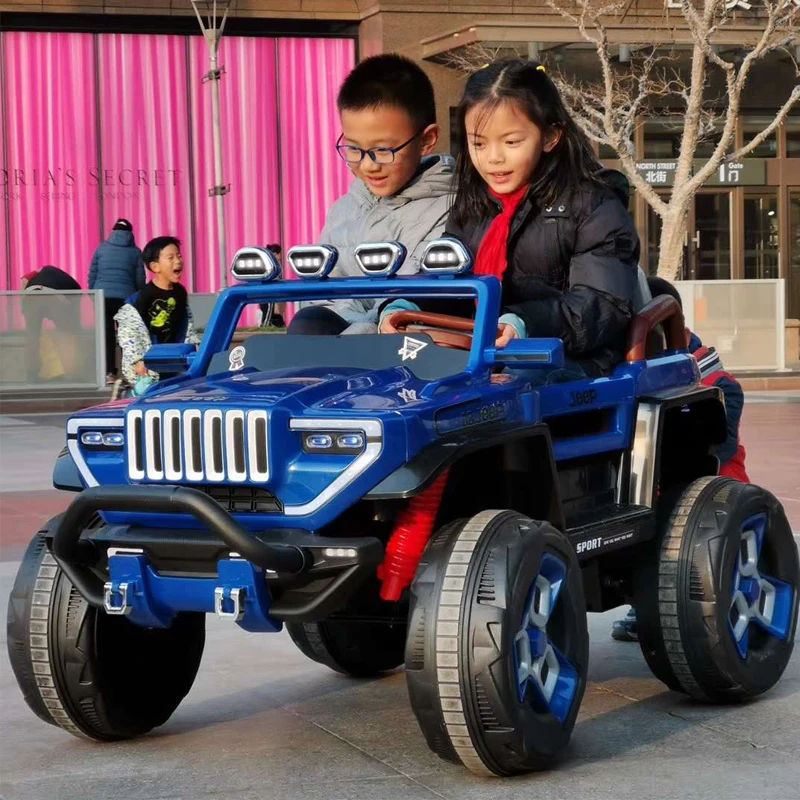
535, 207
731, 452
159, 313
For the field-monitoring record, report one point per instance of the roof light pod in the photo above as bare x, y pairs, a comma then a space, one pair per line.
313, 261
255, 264
380, 259
446, 256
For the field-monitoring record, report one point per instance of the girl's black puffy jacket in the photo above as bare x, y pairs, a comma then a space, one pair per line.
572, 271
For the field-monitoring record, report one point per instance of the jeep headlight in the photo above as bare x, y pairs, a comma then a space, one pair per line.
334, 442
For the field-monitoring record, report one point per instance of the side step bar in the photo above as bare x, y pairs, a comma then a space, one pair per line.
624, 526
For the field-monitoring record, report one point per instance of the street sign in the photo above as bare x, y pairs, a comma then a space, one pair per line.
657, 173
747, 172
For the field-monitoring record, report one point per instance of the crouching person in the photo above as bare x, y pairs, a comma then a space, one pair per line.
157, 314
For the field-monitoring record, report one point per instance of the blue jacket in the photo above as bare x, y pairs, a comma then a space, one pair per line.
117, 266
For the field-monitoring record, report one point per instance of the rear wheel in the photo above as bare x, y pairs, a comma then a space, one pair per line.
97, 676
719, 620
366, 640
498, 646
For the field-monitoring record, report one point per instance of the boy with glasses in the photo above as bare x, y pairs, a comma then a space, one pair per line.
401, 193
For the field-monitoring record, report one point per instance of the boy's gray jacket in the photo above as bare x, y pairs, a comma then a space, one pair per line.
413, 217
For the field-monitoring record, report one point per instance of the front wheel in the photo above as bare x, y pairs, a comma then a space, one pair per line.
498, 648
97, 676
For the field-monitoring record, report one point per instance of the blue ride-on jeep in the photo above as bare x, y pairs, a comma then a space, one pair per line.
415, 498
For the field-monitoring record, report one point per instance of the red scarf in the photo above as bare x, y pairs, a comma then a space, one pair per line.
493, 253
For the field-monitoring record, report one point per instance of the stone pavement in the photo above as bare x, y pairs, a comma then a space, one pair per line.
264, 722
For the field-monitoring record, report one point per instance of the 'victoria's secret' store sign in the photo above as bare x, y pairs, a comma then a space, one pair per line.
61, 183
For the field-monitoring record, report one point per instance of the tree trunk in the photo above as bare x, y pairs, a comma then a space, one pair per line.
673, 238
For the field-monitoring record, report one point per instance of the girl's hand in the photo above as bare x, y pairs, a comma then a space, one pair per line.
140, 368
508, 332
386, 326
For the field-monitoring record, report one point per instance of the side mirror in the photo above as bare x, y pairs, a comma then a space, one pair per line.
170, 359
531, 353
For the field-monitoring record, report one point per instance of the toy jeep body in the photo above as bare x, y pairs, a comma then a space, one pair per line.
288, 480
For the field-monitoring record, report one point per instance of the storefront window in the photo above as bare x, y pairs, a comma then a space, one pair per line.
761, 235
793, 273
751, 127
793, 137
662, 140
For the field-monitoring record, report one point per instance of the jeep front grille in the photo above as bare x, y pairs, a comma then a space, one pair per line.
197, 445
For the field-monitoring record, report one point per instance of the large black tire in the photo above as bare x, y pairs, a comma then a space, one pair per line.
687, 617
473, 601
97, 676
369, 644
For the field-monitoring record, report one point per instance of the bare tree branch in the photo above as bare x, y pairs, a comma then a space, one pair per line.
657, 83
794, 97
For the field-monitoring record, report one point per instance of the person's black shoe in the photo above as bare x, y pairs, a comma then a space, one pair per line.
624, 630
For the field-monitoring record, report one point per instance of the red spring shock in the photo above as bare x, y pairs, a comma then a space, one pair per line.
409, 537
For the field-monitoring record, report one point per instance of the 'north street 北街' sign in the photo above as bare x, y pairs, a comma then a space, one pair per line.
657, 173
747, 172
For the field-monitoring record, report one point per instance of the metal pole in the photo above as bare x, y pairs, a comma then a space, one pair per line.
219, 185
212, 35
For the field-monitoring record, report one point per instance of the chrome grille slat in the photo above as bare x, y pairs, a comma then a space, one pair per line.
212, 445
235, 445
197, 445
154, 457
172, 445
192, 445
258, 445
134, 444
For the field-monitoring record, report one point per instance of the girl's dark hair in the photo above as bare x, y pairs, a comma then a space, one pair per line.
559, 172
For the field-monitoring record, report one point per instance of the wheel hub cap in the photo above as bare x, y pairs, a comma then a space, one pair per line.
544, 674
757, 598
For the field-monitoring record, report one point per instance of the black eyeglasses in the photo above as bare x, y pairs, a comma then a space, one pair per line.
380, 155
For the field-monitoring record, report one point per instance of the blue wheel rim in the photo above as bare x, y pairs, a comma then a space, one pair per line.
544, 675
757, 599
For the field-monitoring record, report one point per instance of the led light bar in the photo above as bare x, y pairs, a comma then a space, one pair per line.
313, 262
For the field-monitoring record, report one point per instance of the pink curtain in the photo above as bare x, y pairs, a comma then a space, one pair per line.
153, 163
312, 174
144, 134
5, 278
51, 163
248, 105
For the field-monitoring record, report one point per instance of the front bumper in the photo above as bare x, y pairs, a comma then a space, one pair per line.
257, 579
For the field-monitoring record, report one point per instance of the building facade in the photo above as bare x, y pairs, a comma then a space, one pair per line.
745, 224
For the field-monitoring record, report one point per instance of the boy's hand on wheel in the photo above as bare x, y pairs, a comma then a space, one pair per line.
508, 332
387, 327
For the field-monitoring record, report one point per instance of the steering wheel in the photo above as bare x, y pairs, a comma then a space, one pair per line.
458, 337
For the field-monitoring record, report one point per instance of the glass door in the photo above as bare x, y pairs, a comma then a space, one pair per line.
761, 246
793, 273
710, 246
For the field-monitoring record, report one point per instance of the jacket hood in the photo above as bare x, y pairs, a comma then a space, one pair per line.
121, 238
